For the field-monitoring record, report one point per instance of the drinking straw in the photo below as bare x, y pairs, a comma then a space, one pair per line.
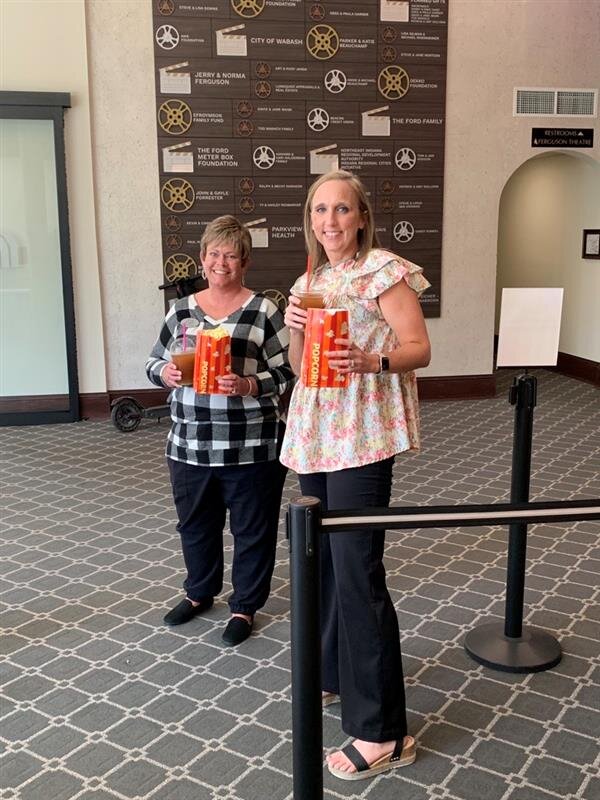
308, 273
184, 329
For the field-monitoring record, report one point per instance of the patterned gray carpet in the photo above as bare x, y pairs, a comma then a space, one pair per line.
99, 700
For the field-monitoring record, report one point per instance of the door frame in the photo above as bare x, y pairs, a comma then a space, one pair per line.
50, 106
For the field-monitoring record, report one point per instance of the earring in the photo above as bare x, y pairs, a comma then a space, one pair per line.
243, 279
203, 274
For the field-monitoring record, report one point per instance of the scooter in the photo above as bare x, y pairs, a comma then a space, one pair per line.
126, 413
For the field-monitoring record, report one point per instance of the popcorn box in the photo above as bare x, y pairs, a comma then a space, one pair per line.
213, 357
323, 326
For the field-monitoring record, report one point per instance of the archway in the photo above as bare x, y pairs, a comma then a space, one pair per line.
544, 207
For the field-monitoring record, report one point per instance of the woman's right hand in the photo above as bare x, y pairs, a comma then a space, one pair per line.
170, 375
295, 317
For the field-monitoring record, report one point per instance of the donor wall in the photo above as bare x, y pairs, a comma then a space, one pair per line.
257, 98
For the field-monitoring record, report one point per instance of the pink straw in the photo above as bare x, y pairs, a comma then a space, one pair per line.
184, 329
308, 273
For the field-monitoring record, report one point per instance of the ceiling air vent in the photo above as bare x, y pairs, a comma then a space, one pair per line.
555, 102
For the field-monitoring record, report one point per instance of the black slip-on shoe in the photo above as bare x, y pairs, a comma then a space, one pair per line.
186, 610
237, 631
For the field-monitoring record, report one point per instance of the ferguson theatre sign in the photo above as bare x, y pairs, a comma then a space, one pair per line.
257, 98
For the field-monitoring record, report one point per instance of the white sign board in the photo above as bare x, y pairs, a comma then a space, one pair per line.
529, 327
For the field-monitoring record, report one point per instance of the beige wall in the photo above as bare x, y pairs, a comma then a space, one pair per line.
494, 45
543, 210
43, 49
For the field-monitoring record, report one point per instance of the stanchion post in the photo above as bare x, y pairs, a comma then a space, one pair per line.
509, 647
523, 395
304, 530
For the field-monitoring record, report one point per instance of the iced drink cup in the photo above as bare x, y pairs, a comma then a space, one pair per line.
184, 361
309, 299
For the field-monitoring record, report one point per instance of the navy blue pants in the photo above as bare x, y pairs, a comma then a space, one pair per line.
252, 494
359, 630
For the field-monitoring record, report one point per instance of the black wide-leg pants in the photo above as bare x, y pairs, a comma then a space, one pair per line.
202, 495
359, 630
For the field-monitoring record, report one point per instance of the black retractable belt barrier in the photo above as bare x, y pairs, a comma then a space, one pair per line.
508, 647
305, 522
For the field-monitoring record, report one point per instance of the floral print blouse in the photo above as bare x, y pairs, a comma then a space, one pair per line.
377, 416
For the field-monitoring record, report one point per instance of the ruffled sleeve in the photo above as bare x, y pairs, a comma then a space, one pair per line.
381, 270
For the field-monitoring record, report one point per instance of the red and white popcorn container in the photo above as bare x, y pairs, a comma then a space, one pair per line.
213, 358
323, 327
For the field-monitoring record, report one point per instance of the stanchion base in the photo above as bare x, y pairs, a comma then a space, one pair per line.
534, 651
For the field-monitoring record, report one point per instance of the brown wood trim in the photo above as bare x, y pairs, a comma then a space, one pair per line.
94, 405
21, 404
457, 387
461, 387
97, 406
576, 367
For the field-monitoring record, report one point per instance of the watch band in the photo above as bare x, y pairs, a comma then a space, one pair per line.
384, 364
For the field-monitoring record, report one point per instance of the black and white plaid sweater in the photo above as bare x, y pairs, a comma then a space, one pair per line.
217, 430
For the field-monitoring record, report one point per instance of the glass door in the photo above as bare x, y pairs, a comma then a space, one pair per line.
38, 370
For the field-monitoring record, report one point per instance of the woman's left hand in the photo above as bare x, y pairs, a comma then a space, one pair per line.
233, 384
350, 358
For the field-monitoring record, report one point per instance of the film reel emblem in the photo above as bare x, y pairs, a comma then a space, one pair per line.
245, 108
178, 195
263, 70
173, 240
393, 82
172, 223
387, 187
335, 81
245, 128
317, 12
167, 37
246, 185
264, 157
322, 42
262, 89
179, 265
388, 54
248, 8
277, 297
403, 231
405, 158
387, 204
247, 205
175, 117
317, 119
388, 34
166, 7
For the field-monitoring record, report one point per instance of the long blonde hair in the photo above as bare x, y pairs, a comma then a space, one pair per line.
367, 237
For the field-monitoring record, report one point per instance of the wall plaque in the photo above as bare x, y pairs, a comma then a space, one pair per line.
256, 98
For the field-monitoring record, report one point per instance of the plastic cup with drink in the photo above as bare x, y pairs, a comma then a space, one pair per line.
183, 352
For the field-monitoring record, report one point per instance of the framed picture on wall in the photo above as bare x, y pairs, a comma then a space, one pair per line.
591, 243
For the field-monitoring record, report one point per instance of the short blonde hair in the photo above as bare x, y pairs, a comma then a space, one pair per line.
230, 230
367, 236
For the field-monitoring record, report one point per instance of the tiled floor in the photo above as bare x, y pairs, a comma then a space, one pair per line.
101, 701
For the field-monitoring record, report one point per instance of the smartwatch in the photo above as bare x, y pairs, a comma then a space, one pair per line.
384, 364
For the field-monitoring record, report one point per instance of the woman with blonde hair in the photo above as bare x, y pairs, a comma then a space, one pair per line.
342, 443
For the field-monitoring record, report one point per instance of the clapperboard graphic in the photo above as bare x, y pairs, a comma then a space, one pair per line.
394, 10
258, 232
323, 160
375, 122
176, 159
173, 81
231, 41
